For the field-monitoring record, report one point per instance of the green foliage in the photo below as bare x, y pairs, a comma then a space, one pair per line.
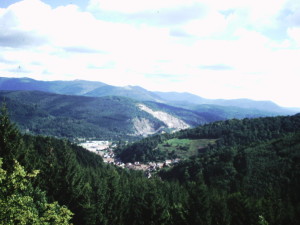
259, 183
10, 140
20, 203
107, 118
183, 148
262, 220
75, 116
247, 177
222, 134
144, 150
246, 131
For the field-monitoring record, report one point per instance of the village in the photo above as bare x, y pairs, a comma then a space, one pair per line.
106, 150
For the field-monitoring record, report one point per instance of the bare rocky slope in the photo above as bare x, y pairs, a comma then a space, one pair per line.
170, 121
108, 118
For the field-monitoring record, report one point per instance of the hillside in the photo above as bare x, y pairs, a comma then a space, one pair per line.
108, 117
133, 92
263, 177
190, 101
221, 134
76, 87
217, 112
104, 117
251, 181
78, 179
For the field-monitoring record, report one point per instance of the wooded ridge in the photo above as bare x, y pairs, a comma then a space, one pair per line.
250, 176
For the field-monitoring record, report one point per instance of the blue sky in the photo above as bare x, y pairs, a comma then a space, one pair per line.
215, 49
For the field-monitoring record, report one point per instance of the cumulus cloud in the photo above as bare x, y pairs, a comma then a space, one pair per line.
168, 16
79, 49
216, 67
294, 34
155, 17
18, 39
179, 32
133, 6
16, 28
208, 47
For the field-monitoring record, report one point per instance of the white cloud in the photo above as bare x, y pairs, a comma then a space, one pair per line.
132, 6
220, 53
294, 34
213, 23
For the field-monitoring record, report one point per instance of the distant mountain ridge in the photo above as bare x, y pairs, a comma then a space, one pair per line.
182, 100
134, 92
109, 117
186, 100
75, 87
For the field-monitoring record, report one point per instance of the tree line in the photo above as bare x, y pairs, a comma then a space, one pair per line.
228, 133
233, 183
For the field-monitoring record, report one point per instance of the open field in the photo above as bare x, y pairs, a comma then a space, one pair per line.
184, 148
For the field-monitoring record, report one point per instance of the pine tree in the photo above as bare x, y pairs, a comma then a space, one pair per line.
11, 143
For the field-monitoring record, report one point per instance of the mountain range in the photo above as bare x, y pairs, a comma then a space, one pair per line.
109, 117
93, 109
99, 89
226, 172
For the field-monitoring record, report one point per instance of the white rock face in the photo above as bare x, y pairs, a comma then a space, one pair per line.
169, 120
143, 127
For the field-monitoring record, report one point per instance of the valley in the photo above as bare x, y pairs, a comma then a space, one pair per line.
200, 171
169, 160
65, 109
149, 112
105, 149
175, 150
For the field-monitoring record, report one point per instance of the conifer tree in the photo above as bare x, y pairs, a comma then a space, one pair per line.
10, 140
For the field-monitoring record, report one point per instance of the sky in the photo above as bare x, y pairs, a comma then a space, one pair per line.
215, 49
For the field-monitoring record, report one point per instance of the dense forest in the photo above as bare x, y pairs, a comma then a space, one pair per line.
106, 118
70, 116
227, 133
67, 116
250, 176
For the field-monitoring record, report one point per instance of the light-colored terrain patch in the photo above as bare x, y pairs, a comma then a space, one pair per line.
95, 146
169, 120
143, 127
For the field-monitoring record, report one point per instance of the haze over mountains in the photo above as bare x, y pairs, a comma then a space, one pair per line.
99, 89
93, 109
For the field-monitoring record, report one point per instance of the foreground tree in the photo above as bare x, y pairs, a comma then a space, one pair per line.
11, 144
20, 203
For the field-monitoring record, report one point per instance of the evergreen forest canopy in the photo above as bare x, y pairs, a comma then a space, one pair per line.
250, 176
105, 118
226, 134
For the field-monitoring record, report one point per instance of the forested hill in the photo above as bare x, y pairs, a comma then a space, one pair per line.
245, 131
108, 118
236, 184
262, 178
95, 192
233, 108
227, 133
